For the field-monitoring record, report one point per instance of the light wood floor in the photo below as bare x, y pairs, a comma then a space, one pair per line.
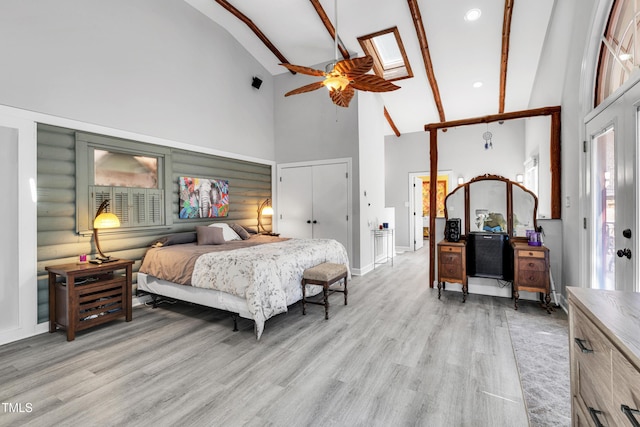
395, 356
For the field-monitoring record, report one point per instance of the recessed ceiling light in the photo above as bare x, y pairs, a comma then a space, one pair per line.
472, 15
477, 85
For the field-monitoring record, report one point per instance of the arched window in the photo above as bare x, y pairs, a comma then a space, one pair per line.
619, 51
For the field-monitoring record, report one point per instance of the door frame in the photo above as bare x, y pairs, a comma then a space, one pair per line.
347, 160
411, 218
626, 123
27, 229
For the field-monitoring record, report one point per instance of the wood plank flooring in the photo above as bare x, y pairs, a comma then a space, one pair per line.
395, 356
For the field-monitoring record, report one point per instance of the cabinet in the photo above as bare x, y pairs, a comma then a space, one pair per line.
90, 295
313, 201
531, 271
452, 265
604, 357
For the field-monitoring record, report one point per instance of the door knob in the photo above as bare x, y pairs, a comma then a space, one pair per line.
627, 233
624, 252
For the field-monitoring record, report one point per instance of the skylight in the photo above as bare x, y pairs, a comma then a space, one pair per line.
389, 57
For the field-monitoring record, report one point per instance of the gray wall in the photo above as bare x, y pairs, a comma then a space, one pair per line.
460, 151
249, 185
153, 67
310, 127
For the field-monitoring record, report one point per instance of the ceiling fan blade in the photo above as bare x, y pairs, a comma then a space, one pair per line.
355, 66
303, 70
342, 97
372, 83
306, 88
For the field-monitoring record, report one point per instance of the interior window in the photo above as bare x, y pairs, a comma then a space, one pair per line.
125, 170
389, 57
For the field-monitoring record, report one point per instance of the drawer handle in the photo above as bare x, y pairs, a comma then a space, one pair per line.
583, 348
629, 413
594, 416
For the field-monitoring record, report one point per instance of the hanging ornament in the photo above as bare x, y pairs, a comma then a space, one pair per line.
487, 139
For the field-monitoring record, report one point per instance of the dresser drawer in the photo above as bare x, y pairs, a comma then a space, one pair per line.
451, 271
593, 368
530, 254
450, 258
451, 249
532, 264
532, 279
626, 389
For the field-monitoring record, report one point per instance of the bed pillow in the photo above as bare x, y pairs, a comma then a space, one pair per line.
175, 239
227, 231
244, 234
209, 235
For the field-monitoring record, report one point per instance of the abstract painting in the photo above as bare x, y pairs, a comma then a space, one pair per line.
203, 198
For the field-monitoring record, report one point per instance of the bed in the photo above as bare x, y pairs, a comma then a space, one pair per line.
255, 277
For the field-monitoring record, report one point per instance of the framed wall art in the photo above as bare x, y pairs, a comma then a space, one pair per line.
203, 197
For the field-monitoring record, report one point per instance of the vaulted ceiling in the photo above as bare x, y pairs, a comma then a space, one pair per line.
447, 54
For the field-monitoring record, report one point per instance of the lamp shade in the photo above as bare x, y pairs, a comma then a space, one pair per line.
106, 220
267, 211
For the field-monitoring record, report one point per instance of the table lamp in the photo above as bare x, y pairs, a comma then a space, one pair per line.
104, 220
266, 210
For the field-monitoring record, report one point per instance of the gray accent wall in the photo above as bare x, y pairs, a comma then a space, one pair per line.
58, 242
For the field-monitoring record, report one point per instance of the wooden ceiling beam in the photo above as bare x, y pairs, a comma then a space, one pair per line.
241, 16
391, 123
329, 26
544, 111
504, 58
426, 56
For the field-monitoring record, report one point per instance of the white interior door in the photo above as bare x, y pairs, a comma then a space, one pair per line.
295, 202
330, 202
18, 273
418, 223
612, 194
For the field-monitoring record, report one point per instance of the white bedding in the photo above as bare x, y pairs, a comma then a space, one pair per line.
267, 276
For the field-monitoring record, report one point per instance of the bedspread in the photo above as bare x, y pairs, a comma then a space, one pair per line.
264, 274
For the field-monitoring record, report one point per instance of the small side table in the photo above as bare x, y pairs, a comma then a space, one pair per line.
387, 235
452, 265
93, 294
531, 271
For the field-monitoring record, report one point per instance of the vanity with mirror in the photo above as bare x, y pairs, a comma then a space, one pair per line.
491, 232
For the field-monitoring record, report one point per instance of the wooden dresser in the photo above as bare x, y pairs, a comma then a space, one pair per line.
452, 265
530, 271
604, 347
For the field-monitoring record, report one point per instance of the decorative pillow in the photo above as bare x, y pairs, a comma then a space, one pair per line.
244, 234
175, 239
227, 232
209, 235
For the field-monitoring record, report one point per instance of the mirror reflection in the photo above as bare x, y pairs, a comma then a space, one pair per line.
488, 206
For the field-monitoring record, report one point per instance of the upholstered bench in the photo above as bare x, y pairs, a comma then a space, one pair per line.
324, 275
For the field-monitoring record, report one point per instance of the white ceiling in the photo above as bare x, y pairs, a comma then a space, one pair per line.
462, 52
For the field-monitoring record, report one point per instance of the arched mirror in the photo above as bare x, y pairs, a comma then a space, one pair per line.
494, 204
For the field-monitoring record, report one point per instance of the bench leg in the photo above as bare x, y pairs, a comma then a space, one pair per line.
325, 291
345, 291
304, 302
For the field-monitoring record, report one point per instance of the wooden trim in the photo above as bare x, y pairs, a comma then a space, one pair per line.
504, 60
391, 123
555, 162
433, 210
554, 143
241, 16
426, 57
329, 26
545, 111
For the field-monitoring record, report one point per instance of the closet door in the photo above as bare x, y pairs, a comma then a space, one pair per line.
295, 202
330, 202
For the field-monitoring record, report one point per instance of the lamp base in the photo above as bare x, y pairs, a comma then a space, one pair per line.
107, 259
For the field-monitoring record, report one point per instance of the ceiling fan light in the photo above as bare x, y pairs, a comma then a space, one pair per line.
336, 82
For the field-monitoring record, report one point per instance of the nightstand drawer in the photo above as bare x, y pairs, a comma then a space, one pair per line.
447, 258
531, 254
532, 264
452, 249
452, 271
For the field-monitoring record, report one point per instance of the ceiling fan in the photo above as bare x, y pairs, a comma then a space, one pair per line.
344, 76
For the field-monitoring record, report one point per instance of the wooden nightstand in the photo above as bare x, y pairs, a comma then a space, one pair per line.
452, 265
92, 294
531, 271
